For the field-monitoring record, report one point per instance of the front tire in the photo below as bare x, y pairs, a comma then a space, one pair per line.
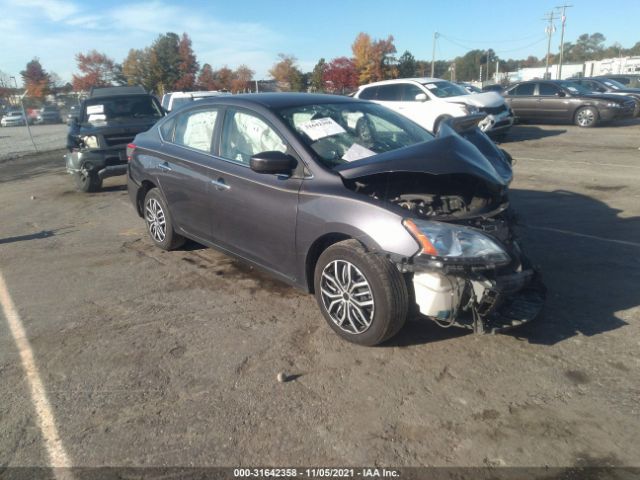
586, 117
87, 181
159, 222
362, 296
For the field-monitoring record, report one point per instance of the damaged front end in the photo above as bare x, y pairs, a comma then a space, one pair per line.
470, 270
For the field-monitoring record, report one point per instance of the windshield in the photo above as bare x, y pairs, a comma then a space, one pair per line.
104, 109
614, 84
444, 89
344, 132
575, 88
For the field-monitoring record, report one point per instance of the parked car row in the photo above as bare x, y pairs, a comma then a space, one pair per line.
567, 101
431, 101
343, 198
47, 114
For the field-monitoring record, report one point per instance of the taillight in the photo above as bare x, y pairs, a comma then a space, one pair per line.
130, 149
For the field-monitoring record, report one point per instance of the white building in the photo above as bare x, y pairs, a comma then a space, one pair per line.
568, 71
612, 66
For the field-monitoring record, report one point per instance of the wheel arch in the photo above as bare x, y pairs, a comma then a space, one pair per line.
316, 249
145, 186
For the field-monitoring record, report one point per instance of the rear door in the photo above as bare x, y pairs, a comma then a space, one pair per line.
186, 168
255, 213
522, 101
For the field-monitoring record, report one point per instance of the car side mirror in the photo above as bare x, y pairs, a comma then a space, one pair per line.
421, 97
272, 162
561, 94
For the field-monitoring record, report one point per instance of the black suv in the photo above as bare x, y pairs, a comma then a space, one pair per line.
107, 122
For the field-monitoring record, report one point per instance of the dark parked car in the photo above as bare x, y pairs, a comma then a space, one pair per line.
629, 80
73, 114
48, 114
496, 87
605, 85
346, 199
565, 101
108, 121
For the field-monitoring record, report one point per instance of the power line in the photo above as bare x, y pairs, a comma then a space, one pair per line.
467, 47
494, 41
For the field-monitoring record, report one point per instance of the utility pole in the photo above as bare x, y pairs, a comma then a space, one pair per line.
550, 29
433, 55
488, 79
564, 19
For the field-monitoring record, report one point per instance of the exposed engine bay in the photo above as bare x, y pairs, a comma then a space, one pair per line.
432, 196
483, 298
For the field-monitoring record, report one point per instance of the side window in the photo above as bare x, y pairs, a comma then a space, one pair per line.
390, 93
194, 129
523, 89
245, 135
166, 130
368, 93
547, 90
409, 92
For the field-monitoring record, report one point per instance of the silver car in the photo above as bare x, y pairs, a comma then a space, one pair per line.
345, 199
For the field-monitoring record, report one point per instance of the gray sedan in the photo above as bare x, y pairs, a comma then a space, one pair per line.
347, 200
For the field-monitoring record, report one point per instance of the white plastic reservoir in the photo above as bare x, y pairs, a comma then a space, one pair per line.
437, 295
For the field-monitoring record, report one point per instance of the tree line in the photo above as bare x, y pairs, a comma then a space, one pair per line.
170, 64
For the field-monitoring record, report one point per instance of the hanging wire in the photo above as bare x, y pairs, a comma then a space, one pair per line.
466, 47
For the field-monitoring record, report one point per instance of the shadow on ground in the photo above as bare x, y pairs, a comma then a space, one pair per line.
589, 260
522, 133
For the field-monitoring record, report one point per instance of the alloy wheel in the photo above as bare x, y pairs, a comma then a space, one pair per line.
156, 221
347, 297
586, 117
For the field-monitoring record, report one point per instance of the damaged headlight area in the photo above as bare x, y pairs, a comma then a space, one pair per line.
89, 141
445, 243
465, 278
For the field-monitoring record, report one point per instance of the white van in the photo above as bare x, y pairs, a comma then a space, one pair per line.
173, 100
429, 101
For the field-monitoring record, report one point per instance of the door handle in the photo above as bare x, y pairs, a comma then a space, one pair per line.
164, 166
220, 185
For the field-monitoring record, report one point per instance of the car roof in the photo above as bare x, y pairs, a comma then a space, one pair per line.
116, 91
277, 100
404, 80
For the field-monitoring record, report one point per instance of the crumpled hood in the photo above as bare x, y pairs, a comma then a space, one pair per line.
485, 99
131, 126
445, 155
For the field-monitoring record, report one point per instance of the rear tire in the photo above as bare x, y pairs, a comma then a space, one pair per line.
586, 117
159, 222
362, 296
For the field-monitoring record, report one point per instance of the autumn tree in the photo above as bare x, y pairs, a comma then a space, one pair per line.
224, 78
374, 59
136, 68
188, 67
242, 78
340, 75
96, 70
206, 78
317, 76
35, 79
287, 74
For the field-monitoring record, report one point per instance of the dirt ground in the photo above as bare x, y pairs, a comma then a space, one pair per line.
151, 358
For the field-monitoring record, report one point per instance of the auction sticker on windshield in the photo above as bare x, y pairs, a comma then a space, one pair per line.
91, 109
321, 128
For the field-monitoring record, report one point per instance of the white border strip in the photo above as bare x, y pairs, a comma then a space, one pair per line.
58, 457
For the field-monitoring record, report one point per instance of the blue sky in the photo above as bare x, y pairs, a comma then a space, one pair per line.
255, 31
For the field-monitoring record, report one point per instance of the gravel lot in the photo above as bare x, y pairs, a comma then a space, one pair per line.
156, 358
15, 141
